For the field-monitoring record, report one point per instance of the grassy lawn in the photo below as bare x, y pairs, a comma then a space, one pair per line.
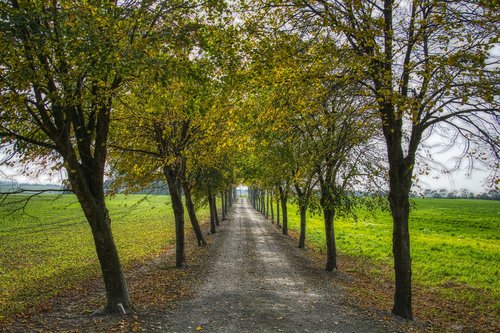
455, 246
50, 246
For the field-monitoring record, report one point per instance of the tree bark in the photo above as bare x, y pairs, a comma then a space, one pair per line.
223, 205
254, 198
400, 181
213, 228
302, 236
272, 209
90, 193
400, 209
107, 254
114, 280
331, 249
255, 201
278, 212
175, 189
283, 198
400, 168
302, 196
192, 215
216, 214
260, 202
263, 203
266, 193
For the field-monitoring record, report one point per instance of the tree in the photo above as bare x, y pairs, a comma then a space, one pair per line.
304, 189
347, 154
426, 64
162, 120
209, 180
187, 186
63, 65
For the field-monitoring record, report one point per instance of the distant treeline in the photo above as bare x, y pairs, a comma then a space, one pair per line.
8, 186
161, 188
460, 194
11, 186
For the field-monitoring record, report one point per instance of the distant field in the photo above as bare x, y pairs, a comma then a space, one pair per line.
454, 242
50, 246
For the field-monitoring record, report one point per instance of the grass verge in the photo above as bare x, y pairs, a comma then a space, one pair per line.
48, 247
455, 252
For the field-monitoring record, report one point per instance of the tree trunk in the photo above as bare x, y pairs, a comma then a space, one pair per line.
331, 250
272, 209
223, 204
302, 236
400, 167
192, 215
94, 208
400, 209
278, 212
283, 198
175, 189
400, 180
263, 203
216, 214
114, 280
267, 204
213, 228
255, 200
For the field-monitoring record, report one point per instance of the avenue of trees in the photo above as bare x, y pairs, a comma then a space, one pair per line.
311, 101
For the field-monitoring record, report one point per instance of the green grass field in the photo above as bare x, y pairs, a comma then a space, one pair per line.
50, 246
453, 243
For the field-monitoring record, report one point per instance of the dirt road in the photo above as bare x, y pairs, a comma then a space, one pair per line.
259, 282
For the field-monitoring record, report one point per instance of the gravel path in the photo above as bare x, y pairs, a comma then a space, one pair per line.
259, 282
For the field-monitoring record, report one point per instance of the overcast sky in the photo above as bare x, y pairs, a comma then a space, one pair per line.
454, 181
